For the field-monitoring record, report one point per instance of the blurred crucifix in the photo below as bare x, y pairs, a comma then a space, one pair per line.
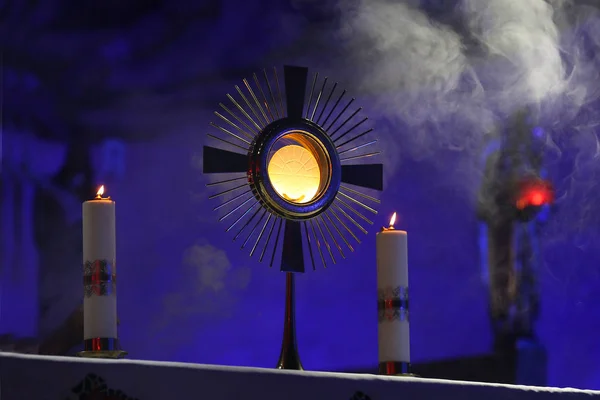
513, 206
40, 210
57, 219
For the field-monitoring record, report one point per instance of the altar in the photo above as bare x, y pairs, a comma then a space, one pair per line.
43, 377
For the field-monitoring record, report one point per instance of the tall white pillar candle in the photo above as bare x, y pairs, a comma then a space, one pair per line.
99, 274
392, 301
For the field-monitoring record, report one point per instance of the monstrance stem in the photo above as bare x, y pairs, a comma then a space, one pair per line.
289, 357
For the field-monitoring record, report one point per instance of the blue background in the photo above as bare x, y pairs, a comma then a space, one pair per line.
186, 293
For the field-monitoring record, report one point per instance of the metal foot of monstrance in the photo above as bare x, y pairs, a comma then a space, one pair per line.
293, 176
289, 357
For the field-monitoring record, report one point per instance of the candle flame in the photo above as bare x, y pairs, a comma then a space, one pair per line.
100, 191
393, 220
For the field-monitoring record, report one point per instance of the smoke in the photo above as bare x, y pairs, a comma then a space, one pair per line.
492, 55
401, 49
445, 76
414, 66
521, 45
209, 286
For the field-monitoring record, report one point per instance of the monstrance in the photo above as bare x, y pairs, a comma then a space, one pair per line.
295, 159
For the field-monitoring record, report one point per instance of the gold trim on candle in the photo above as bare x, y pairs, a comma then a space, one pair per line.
396, 368
102, 348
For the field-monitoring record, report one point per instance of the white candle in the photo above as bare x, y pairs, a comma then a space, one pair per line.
392, 299
99, 256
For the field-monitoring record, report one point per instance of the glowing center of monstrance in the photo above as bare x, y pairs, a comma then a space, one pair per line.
295, 174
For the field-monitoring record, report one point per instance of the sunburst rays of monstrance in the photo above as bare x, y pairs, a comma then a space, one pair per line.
295, 159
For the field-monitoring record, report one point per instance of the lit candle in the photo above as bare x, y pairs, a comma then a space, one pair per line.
99, 273
392, 301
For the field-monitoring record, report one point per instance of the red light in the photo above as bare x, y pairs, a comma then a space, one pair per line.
537, 198
535, 194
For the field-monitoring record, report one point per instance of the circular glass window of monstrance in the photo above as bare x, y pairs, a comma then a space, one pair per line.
298, 168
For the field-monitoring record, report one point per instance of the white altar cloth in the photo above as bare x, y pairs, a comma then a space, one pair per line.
48, 378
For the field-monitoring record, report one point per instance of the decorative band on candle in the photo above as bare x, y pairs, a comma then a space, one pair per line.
392, 304
103, 269
91, 280
99, 289
99, 278
101, 344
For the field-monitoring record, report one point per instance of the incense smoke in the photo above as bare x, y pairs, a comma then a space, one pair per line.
446, 76
209, 287
507, 54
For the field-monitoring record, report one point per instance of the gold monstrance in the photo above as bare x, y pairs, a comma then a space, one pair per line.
295, 175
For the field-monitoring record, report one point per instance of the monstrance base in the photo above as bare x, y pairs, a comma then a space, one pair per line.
292, 364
